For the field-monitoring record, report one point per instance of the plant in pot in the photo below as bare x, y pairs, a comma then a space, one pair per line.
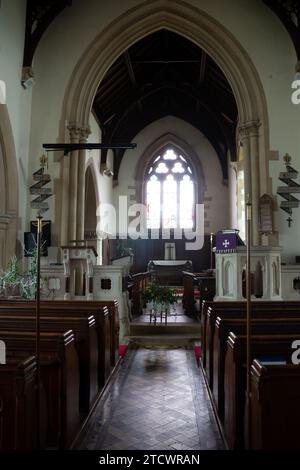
159, 297
10, 280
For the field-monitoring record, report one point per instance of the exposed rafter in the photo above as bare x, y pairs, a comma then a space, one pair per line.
288, 11
39, 15
131, 75
169, 75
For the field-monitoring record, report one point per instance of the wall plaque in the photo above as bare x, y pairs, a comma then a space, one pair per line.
265, 214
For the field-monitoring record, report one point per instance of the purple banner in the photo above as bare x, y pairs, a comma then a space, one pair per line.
226, 242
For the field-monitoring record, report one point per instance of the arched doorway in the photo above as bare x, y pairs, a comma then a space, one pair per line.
8, 190
221, 46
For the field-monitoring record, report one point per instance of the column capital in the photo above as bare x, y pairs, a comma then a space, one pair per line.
85, 131
74, 131
249, 129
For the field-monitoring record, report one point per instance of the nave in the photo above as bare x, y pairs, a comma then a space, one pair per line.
157, 400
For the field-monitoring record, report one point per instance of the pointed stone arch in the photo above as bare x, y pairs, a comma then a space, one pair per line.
200, 28
8, 189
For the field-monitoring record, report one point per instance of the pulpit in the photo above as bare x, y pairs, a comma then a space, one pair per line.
100, 282
169, 272
78, 262
231, 260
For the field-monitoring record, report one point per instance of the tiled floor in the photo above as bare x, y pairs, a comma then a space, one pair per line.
158, 400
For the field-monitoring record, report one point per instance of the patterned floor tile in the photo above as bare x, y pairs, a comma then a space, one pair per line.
158, 400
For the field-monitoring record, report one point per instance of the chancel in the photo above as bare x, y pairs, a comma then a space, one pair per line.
149, 249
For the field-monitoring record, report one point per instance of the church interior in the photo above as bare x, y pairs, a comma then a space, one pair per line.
149, 221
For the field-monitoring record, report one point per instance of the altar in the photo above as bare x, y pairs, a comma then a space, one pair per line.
169, 272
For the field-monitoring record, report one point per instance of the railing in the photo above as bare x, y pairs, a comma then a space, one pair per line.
205, 283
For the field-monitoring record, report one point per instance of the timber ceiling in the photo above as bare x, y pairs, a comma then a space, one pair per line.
165, 74
160, 75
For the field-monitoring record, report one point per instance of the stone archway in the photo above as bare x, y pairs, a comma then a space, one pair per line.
8, 190
207, 33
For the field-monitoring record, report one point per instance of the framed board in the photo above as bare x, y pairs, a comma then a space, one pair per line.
265, 209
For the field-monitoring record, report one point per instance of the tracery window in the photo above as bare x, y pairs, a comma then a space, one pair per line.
170, 192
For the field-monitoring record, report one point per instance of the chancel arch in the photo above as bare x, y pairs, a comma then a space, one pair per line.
220, 45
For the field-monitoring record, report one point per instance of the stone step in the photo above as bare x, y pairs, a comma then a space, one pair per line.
163, 341
169, 329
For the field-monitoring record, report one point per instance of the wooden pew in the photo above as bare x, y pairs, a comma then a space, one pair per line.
75, 309
235, 377
139, 282
275, 411
60, 377
188, 299
223, 327
17, 404
86, 345
204, 281
113, 310
278, 309
90, 307
218, 308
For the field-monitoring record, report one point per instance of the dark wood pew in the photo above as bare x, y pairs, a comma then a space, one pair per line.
86, 345
139, 282
74, 309
275, 411
204, 282
217, 308
235, 377
259, 310
60, 377
90, 307
223, 327
188, 299
113, 310
17, 404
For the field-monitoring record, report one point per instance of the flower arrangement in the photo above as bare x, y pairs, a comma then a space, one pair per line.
159, 294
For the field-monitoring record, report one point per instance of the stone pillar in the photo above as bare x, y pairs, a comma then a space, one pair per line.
255, 179
74, 130
4, 231
84, 133
248, 134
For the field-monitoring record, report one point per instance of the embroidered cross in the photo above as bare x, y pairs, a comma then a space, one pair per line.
226, 243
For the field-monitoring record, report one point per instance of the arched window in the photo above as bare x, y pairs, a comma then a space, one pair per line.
170, 191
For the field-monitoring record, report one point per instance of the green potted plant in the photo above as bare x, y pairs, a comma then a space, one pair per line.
10, 280
159, 297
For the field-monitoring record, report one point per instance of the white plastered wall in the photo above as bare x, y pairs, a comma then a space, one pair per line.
257, 29
18, 100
